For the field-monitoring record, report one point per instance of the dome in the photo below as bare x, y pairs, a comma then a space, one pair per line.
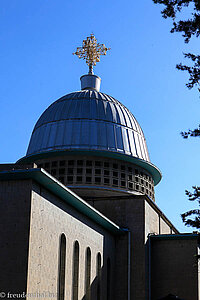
88, 120
92, 143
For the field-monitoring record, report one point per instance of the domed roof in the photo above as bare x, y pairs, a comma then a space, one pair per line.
88, 120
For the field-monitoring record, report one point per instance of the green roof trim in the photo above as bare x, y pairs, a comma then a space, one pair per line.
153, 170
57, 188
186, 236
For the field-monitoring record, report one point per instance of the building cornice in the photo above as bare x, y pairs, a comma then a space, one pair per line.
152, 169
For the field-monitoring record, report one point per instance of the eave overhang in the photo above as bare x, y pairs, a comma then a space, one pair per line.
152, 169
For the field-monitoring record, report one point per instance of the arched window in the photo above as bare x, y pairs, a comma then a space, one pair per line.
61, 267
98, 263
75, 271
108, 279
87, 273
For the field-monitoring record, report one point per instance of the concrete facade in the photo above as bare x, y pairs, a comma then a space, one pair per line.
50, 217
142, 217
32, 221
15, 210
174, 266
148, 258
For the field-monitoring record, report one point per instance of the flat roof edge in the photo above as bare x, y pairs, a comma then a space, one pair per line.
153, 204
149, 201
175, 236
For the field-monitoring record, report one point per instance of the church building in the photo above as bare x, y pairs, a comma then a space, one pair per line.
78, 214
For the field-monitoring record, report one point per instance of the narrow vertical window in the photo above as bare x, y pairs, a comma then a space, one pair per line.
108, 279
98, 276
75, 271
87, 273
61, 267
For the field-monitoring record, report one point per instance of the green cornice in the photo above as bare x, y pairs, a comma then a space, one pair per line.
185, 236
53, 185
153, 170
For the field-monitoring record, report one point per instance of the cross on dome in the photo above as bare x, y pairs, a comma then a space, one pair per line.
91, 51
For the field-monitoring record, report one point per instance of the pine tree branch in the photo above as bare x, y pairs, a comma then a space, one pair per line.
188, 28
195, 213
192, 133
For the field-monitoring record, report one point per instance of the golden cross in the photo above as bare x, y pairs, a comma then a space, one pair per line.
91, 51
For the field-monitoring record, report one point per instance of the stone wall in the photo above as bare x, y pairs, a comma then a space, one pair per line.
142, 217
15, 209
32, 221
50, 218
174, 266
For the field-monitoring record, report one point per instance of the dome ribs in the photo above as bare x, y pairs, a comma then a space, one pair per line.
88, 120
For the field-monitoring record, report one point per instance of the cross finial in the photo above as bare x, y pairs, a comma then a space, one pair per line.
91, 51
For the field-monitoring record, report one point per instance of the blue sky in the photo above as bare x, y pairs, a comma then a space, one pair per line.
37, 67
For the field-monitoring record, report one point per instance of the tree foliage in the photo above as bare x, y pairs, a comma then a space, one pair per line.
193, 71
194, 221
195, 132
188, 28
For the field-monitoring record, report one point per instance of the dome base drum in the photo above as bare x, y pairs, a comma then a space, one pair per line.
96, 176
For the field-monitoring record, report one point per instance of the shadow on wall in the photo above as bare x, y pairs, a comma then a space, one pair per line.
171, 297
99, 288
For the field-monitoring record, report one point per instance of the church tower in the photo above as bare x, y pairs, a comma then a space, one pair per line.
94, 146
78, 213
